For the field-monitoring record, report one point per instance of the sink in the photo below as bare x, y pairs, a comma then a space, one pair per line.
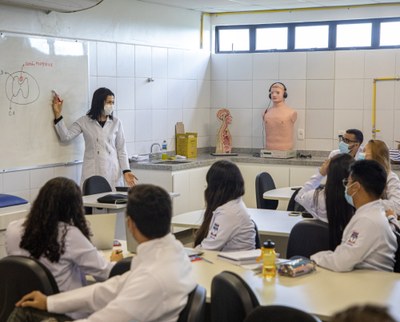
171, 162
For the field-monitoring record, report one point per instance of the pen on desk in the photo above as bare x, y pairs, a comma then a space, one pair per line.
206, 260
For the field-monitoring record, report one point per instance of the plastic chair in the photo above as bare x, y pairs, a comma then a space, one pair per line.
93, 185
231, 298
258, 240
293, 205
20, 275
264, 182
279, 313
121, 266
195, 308
307, 238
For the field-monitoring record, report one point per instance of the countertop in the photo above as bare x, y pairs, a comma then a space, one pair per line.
204, 158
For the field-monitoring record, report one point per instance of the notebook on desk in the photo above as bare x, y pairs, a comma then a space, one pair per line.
102, 227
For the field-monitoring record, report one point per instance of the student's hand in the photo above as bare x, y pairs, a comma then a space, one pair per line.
57, 106
389, 212
130, 179
323, 170
34, 299
116, 255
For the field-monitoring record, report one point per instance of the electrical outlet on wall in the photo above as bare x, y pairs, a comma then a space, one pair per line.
300, 134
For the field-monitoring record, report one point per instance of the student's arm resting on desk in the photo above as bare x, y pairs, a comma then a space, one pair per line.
85, 255
125, 297
358, 242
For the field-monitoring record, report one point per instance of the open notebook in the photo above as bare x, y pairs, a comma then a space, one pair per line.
103, 229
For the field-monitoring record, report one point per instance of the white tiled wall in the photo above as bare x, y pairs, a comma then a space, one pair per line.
331, 91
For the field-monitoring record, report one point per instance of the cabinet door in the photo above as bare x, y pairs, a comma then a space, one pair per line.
190, 184
280, 174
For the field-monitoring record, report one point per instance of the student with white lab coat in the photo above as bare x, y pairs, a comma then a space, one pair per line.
368, 240
56, 233
328, 203
157, 286
105, 151
227, 225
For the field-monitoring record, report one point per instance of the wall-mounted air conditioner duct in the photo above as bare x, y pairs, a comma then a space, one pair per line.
53, 5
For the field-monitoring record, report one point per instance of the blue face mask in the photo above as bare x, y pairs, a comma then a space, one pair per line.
348, 198
361, 156
343, 147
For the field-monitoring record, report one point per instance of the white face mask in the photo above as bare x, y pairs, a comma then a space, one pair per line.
108, 109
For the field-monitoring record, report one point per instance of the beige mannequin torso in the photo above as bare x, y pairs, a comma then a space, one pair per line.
279, 127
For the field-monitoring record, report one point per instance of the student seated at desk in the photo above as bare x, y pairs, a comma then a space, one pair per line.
56, 233
155, 289
378, 150
328, 203
227, 225
368, 241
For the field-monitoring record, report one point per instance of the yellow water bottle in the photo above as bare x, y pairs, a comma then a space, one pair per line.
269, 257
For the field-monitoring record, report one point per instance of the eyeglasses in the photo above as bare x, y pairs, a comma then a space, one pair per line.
346, 140
345, 182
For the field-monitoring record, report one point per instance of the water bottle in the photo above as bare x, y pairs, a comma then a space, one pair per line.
269, 257
164, 154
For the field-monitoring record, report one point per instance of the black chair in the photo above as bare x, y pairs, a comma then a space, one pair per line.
121, 266
231, 298
279, 313
307, 238
20, 275
293, 205
195, 308
264, 182
396, 267
93, 185
258, 240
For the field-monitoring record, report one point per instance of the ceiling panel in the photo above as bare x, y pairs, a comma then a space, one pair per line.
217, 6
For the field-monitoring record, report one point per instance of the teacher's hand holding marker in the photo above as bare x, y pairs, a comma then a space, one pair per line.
105, 150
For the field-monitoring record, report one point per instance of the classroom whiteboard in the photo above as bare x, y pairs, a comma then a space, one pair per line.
30, 67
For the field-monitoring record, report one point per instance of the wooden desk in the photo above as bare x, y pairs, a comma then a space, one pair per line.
269, 222
279, 193
321, 293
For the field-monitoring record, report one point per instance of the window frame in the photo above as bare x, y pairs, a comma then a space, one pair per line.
332, 33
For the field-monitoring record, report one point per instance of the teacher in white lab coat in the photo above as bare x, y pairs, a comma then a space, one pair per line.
105, 151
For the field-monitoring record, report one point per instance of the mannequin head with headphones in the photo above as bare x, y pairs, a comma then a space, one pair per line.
277, 87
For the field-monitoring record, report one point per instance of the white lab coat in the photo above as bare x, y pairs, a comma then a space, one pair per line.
80, 258
231, 228
155, 289
368, 242
105, 151
392, 193
305, 197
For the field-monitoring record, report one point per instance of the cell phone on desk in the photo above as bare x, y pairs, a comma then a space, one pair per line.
295, 213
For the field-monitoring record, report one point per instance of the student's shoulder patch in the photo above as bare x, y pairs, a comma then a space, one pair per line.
214, 231
353, 238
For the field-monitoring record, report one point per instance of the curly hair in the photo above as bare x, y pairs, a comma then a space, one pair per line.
59, 202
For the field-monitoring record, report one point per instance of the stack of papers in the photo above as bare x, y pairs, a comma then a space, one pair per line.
244, 257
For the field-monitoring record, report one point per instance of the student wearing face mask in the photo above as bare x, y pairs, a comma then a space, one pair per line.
105, 151
368, 241
350, 143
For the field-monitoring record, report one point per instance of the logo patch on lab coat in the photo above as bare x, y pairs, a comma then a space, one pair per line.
353, 238
214, 231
